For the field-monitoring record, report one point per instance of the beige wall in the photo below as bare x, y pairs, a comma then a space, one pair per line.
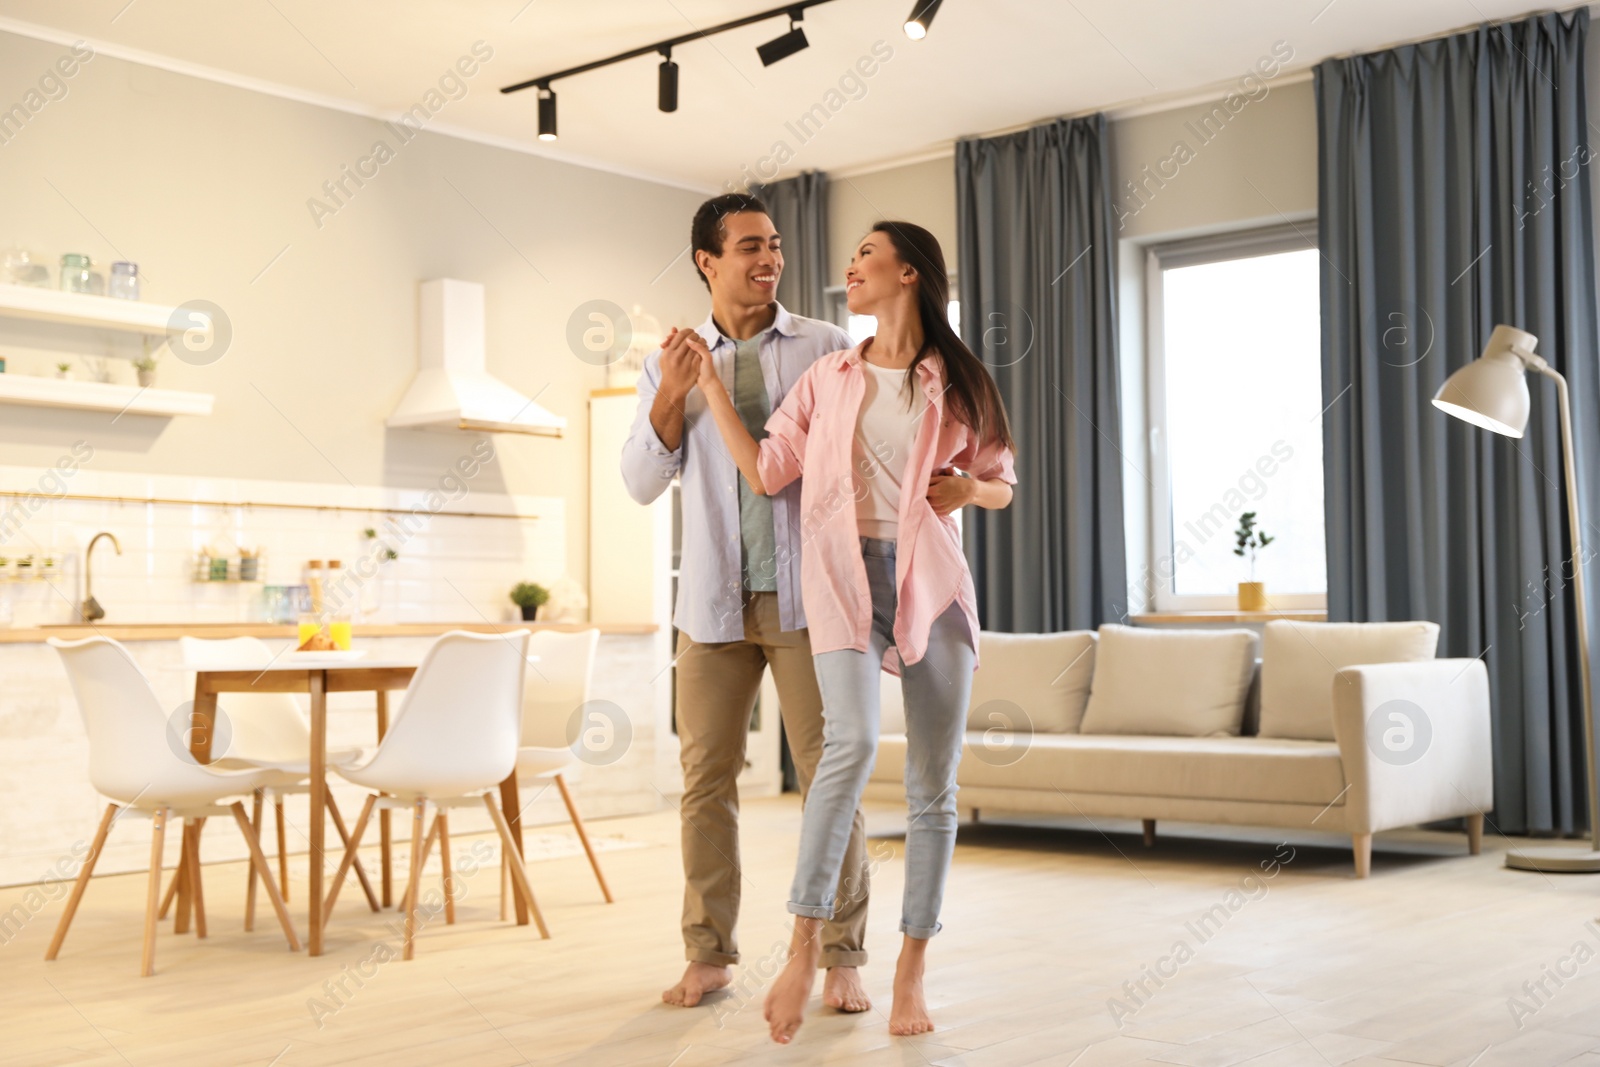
1257, 168
204, 184
923, 193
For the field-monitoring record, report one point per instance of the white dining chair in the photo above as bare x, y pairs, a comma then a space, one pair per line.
453, 741
269, 732
557, 687
134, 762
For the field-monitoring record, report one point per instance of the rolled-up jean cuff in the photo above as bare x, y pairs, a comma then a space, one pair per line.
811, 911
920, 933
838, 957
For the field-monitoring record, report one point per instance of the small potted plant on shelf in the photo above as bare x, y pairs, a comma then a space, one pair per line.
146, 369
530, 597
63, 369
1248, 540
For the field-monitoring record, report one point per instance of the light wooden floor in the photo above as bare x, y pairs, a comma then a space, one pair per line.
1043, 926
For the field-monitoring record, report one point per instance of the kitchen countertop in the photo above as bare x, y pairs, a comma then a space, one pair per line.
171, 631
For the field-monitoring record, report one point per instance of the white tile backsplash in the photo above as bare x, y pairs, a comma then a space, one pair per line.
451, 568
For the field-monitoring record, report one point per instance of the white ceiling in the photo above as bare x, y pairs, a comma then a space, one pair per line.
986, 65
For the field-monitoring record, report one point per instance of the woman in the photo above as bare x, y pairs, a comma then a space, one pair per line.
880, 433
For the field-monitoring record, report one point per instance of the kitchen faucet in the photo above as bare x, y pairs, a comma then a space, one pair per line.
91, 607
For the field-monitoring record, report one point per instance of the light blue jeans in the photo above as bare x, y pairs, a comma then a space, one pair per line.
936, 689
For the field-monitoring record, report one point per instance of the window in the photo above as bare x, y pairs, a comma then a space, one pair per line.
1234, 346
861, 327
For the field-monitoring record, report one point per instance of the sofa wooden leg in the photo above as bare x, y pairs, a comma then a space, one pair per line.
1149, 833
974, 814
1362, 844
1475, 833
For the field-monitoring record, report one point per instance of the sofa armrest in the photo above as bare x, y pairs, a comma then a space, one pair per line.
1414, 740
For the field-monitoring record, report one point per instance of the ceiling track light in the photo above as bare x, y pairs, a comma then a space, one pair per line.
921, 18
667, 83
788, 44
547, 113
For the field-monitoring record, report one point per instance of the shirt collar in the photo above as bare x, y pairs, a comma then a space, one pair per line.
782, 323
928, 371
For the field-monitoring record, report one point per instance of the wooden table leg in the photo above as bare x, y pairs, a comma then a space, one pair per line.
319, 802
202, 724
511, 808
383, 815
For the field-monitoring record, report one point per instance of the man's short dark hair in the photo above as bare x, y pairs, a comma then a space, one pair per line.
710, 227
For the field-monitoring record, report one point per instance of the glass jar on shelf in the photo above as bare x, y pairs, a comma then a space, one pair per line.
124, 283
18, 266
76, 275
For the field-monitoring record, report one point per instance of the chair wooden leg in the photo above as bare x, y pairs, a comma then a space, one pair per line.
1362, 844
427, 846
505, 885
349, 856
385, 858
283, 851
260, 862
583, 836
418, 810
344, 836
1475, 833
1149, 833
441, 822
179, 874
180, 918
158, 839
83, 882
197, 889
256, 805
519, 876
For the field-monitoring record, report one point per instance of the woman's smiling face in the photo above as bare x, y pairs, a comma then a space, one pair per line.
874, 274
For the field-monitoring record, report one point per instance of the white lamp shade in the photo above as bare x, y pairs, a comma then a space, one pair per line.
1492, 390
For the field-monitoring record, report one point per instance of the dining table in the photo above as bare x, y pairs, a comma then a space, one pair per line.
317, 674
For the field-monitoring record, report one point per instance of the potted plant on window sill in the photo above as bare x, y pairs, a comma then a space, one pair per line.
1248, 540
530, 597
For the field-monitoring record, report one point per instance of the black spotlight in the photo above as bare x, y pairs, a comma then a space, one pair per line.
547, 113
921, 18
667, 84
787, 45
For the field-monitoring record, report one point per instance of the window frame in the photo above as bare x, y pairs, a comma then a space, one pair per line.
1159, 257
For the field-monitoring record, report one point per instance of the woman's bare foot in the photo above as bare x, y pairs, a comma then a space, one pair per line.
785, 1008
842, 989
910, 1012
698, 980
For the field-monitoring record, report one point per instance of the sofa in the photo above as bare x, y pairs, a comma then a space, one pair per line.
1345, 727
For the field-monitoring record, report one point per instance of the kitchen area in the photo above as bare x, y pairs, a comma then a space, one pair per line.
227, 413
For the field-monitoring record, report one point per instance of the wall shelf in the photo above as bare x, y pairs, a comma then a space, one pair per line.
100, 396
97, 312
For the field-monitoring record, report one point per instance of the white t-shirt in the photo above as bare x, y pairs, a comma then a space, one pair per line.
885, 430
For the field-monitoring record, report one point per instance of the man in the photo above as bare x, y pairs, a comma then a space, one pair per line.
738, 609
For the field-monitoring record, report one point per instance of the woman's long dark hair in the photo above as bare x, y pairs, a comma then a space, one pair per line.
972, 395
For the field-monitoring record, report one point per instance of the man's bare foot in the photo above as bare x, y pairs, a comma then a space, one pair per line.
785, 1007
842, 989
698, 980
910, 1012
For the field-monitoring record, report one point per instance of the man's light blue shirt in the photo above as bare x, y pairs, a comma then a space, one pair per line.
710, 605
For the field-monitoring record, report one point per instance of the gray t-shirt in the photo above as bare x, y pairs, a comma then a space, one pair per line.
758, 563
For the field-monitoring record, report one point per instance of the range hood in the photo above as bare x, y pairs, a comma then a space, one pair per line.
453, 389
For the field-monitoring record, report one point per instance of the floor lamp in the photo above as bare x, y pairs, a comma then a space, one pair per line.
1492, 392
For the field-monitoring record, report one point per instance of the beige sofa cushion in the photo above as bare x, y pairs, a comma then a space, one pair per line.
1046, 675
1184, 683
1263, 770
1298, 661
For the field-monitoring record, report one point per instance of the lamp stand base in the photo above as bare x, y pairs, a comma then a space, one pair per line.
1554, 859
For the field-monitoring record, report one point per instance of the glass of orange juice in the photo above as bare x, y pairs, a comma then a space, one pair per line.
310, 626
339, 631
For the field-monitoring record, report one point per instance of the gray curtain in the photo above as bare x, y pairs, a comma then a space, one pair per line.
1037, 278
1454, 195
799, 209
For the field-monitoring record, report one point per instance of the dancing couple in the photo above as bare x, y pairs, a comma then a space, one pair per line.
818, 482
